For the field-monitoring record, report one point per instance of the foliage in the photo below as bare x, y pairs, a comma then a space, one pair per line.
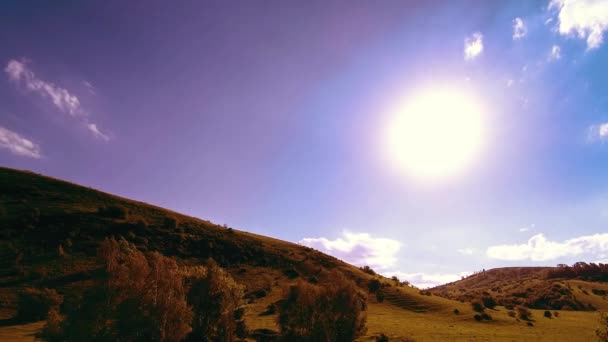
547, 314
580, 270
523, 313
34, 304
112, 211
142, 298
477, 306
374, 285
602, 331
314, 313
217, 302
368, 270
488, 302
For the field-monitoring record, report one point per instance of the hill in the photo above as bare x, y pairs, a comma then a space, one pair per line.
50, 230
533, 287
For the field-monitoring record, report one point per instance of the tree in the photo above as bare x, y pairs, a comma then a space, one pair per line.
217, 302
315, 313
141, 298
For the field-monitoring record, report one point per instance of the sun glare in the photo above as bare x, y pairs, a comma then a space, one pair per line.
435, 134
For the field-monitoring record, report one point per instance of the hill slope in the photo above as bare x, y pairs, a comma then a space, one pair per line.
528, 286
50, 229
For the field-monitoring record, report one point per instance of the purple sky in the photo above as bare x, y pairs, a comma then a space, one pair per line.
266, 116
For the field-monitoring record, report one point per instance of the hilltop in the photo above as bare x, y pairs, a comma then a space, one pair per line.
51, 229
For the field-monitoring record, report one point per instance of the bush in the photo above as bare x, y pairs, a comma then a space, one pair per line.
374, 285
217, 301
456, 312
488, 302
477, 306
379, 297
547, 314
170, 223
142, 297
112, 211
602, 331
382, 338
368, 270
523, 313
52, 329
511, 313
313, 313
35, 304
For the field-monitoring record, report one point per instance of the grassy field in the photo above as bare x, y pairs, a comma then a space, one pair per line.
51, 229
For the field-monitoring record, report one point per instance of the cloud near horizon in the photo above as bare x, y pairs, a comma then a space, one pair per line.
380, 254
584, 19
359, 249
538, 248
68, 103
18, 144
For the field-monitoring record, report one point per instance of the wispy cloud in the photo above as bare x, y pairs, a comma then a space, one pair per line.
465, 251
598, 132
358, 249
585, 19
555, 54
66, 102
538, 248
519, 29
18, 144
473, 46
96, 132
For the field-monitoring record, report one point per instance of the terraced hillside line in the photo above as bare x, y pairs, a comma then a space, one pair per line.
408, 302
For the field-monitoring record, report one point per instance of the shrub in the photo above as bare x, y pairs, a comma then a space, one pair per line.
602, 331
52, 329
313, 313
217, 302
477, 318
555, 314
368, 270
486, 317
382, 338
142, 297
523, 313
488, 302
547, 314
379, 297
170, 223
530, 324
112, 211
374, 285
34, 304
511, 313
477, 306
456, 312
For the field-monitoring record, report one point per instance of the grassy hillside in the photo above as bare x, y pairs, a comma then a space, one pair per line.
50, 230
529, 286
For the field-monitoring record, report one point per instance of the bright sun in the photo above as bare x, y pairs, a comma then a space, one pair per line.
436, 134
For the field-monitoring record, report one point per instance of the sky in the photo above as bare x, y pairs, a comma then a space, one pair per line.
272, 117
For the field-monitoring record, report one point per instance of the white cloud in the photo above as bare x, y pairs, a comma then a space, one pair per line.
586, 19
426, 280
598, 132
473, 46
519, 29
19, 72
68, 103
555, 54
358, 249
96, 132
538, 248
18, 144
510, 83
465, 251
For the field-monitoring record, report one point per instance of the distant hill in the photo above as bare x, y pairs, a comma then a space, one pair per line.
534, 287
